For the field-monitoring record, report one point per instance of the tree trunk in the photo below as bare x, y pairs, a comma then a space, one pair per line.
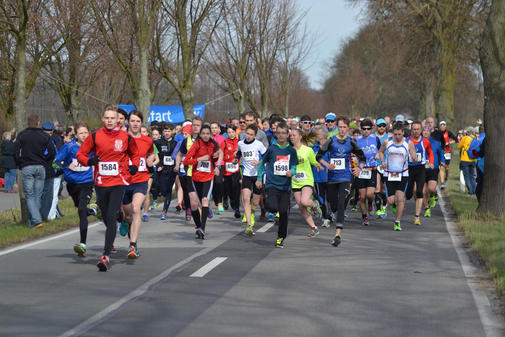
187, 100
144, 92
429, 96
445, 110
492, 59
20, 108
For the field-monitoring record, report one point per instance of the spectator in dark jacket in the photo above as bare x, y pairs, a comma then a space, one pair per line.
31, 157
8, 162
49, 183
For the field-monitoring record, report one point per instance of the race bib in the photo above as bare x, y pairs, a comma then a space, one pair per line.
419, 157
395, 176
380, 169
203, 166
338, 162
181, 169
365, 174
168, 161
281, 167
142, 164
300, 176
447, 156
231, 167
108, 168
78, 167
249, 155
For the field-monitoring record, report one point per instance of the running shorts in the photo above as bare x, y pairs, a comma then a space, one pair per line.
365, 183
432, 175
393, 186
250, 184
132, 189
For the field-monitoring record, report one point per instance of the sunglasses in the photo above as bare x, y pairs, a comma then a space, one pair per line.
366, 128
306, 122
381, 125
241, 122
330, 121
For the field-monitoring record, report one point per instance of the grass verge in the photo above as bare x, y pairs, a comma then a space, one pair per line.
13, 232
486, 233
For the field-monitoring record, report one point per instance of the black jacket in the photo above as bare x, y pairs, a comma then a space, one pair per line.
31, 145
8, 151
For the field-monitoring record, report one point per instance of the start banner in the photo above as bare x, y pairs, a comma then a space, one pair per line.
168, 113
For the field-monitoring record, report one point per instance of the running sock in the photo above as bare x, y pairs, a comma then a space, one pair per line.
205, 213
134, 244
196, 217
363, 216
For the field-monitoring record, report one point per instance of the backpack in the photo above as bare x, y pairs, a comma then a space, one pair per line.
474, 145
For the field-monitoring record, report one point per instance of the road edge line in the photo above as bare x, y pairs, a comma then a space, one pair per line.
492, 323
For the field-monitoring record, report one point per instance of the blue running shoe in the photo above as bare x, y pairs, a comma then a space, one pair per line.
145, 218
270, 217
123, 228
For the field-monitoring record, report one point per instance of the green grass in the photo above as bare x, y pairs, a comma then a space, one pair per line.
13, 232
485, 232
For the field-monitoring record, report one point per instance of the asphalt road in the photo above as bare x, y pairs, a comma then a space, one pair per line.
377, 283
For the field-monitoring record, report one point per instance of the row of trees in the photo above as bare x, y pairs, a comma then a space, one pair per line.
414, 57
142, 51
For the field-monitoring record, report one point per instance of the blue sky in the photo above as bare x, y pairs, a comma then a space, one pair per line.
332, 22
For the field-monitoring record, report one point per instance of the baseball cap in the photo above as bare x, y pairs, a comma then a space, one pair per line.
442, 123
330, 116
305, 118
469, 129
400, 118
380, 121
48, 126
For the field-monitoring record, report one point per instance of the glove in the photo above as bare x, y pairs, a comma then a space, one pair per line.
93, 161
133, 169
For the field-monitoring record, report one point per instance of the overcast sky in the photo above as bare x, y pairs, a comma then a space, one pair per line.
332, 22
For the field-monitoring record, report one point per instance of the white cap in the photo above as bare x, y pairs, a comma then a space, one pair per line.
442, 122
400, 118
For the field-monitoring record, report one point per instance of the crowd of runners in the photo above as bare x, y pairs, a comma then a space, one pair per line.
252, 167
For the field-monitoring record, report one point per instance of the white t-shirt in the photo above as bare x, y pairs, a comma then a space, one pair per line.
250, 152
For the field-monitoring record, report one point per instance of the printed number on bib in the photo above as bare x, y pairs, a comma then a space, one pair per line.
249, 155
419, 157
181, 169
78, 167
203, 166
281, 165
365, 174
142, 164
394, 176
339, 163
231, 167
168, 161
447, 156
108, 168
300, 176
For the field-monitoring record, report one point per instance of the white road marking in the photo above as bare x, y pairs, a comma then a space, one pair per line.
141, 290
37, 242
265, 228
493, 324
208, 267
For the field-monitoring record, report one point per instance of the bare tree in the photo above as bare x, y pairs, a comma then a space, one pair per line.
230, 53
73, 69
127, 30
181, 39
492, 55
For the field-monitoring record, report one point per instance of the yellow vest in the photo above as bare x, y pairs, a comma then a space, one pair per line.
189, 143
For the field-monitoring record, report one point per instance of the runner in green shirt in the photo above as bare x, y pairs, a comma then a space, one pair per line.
302, 182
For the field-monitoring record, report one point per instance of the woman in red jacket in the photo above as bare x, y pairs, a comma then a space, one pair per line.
231, 170
206, 157
113, 148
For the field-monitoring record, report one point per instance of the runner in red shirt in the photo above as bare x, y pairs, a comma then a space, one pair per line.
113, 149
231, 170
135, 193
204, 154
